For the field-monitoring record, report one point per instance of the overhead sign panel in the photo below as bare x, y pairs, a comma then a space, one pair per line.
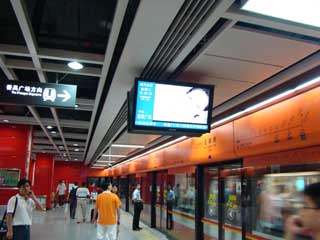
38, 94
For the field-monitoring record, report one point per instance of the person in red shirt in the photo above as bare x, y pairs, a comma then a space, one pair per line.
92, 188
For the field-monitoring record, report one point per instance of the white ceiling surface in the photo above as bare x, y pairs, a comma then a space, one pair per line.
146, 33
241, 58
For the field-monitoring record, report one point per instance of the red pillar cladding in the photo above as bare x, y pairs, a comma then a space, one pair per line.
15, 144
69, 172
43, 176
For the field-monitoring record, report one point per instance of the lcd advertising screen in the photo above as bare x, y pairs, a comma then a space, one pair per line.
172, 106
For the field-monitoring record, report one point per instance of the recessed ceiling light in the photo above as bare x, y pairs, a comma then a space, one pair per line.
75, 159
75, 65
60, 146
6, 120
76, 150
76, 106
49, 127
76, 145
304, 12
53, 132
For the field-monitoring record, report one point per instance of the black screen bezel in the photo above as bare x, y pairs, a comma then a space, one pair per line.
132, 103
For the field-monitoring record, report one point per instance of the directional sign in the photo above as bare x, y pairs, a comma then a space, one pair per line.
38, 94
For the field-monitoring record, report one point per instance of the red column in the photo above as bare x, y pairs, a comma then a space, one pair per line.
15, 143
43, 176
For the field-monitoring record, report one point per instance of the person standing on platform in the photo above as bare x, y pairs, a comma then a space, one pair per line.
138, 207
73, 200
61, 192
83, 195
170, 203
19, 212
107, 209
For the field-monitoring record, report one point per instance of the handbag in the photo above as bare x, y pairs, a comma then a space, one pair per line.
3, 224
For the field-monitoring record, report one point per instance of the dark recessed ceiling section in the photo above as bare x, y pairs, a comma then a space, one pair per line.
9, 26
27, 75
78, 25
72, 115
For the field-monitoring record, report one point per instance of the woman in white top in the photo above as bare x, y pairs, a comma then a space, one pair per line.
61, 191
19, 212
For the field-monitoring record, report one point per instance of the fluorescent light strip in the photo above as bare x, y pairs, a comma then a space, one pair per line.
127, 146
267, 101
153, 150
105, 161
110, 155
305, 12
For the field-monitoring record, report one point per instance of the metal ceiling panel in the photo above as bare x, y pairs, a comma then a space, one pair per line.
260, 47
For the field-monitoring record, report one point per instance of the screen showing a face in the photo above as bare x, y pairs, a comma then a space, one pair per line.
172, 106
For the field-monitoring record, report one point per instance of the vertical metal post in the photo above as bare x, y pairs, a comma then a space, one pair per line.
221, 202
153, 199
28, 157
127, 192
245, 199
199, 208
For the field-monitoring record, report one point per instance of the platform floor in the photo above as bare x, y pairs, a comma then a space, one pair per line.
53, 225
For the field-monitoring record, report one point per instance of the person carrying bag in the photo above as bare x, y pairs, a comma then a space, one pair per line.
3, 224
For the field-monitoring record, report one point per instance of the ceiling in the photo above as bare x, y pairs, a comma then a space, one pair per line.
204, 41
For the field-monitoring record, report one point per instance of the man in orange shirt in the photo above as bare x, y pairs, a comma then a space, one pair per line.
107, 205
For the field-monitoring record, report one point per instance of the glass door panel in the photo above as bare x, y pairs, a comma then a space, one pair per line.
211, 198
232, 223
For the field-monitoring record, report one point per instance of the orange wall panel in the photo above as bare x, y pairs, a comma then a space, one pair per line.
298, 156
94, 172
293, 123
215, 146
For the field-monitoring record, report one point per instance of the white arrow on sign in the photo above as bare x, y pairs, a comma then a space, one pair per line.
66, 96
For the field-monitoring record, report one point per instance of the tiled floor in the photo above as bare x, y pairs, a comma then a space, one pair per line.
53, 225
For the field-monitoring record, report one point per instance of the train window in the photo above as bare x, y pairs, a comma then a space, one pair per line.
277, 196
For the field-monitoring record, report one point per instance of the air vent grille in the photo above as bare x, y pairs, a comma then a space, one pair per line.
189, 18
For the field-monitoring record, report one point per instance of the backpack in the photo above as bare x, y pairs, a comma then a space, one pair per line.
73, 194
3, 224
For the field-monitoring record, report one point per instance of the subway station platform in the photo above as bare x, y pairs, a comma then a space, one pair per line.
54, 224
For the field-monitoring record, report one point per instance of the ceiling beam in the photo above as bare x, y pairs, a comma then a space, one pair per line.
66, 135
8, 72
46, 121
69, 143
50, 147
52, 67
53, 54
248, 17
